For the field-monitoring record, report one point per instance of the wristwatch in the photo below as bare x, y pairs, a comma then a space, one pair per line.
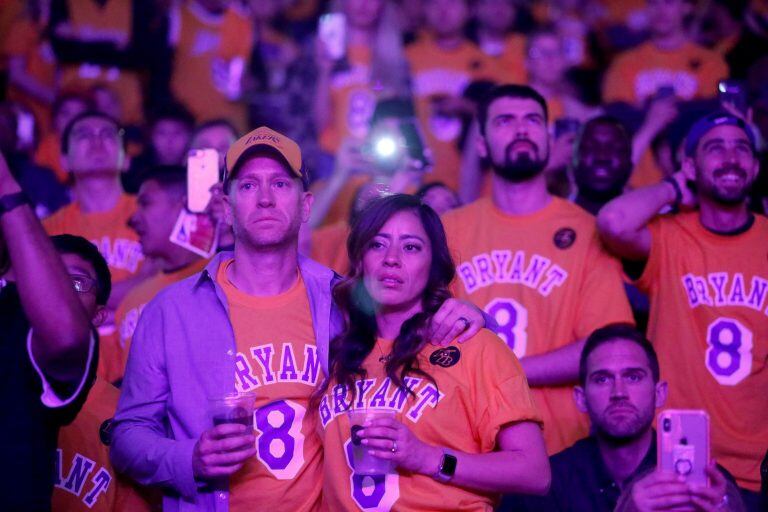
10, 201
447, 467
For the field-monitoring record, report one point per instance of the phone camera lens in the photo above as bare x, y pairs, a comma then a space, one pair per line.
667, 425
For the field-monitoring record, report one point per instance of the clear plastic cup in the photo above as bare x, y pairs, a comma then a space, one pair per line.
232, 408
364, 463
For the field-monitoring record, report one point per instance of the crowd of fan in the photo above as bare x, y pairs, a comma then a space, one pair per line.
620, 110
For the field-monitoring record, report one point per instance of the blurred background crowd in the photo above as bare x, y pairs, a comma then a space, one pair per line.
164, 68
381, 96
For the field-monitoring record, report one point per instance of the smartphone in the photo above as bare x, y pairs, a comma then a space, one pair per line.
733, 92
332, 31
202, 174
414, 142
566, 126
683, 443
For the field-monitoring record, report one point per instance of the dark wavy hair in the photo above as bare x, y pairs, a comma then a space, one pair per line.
349, 350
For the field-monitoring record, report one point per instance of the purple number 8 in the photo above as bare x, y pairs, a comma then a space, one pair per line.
373, 498
728, 365
272, 433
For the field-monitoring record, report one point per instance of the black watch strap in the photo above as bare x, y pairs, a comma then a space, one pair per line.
447, 467
10, 201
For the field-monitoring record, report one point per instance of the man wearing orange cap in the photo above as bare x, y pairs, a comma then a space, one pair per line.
258, 319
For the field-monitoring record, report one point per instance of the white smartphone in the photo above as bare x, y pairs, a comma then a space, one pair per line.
202, 174
332, 32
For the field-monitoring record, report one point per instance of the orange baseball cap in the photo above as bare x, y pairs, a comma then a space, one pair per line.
264, 137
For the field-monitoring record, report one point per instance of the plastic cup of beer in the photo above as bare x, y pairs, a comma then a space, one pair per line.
233, 408
364, 463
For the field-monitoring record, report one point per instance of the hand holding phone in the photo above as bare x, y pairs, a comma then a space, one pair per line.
683, 444
733, 92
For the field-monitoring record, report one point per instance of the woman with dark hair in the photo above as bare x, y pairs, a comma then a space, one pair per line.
462, 426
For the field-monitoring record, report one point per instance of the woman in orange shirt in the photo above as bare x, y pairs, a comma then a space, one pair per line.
461, 426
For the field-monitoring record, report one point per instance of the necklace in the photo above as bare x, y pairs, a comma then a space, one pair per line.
384, 358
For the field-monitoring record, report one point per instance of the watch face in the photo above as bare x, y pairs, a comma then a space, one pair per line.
449, 465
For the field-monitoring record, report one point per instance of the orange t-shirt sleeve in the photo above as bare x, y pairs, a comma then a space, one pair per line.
652, 269
604, 299
500, 390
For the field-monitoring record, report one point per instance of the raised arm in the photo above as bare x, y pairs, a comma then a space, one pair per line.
62, 329
623, 222
554, 368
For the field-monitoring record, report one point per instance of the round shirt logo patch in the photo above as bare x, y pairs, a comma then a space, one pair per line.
564, 238
445, 357
105, 432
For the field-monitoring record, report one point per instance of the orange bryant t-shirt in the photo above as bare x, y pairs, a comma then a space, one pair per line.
84, 478
636, 74
129, 310
479, 388
277, 359
108, 231
709, 324
352, 100
546, 280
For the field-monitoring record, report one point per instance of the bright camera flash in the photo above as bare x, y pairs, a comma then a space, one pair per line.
386, 147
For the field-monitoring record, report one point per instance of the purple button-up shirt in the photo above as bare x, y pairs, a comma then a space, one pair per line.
182, 352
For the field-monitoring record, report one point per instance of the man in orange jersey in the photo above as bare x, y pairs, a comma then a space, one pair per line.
533, 261
443, 62
211, 42
162, 196
706, 277
92, 145
669, 59
256, 319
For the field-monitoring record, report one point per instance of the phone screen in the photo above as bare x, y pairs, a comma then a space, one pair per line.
202, 174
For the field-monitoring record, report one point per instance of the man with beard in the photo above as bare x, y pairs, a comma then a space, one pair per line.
602, 162
706, 275
534, 261
619, 389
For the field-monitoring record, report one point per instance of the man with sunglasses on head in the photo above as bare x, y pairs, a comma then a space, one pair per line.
47, 347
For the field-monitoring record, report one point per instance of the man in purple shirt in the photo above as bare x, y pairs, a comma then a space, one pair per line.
184, 348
